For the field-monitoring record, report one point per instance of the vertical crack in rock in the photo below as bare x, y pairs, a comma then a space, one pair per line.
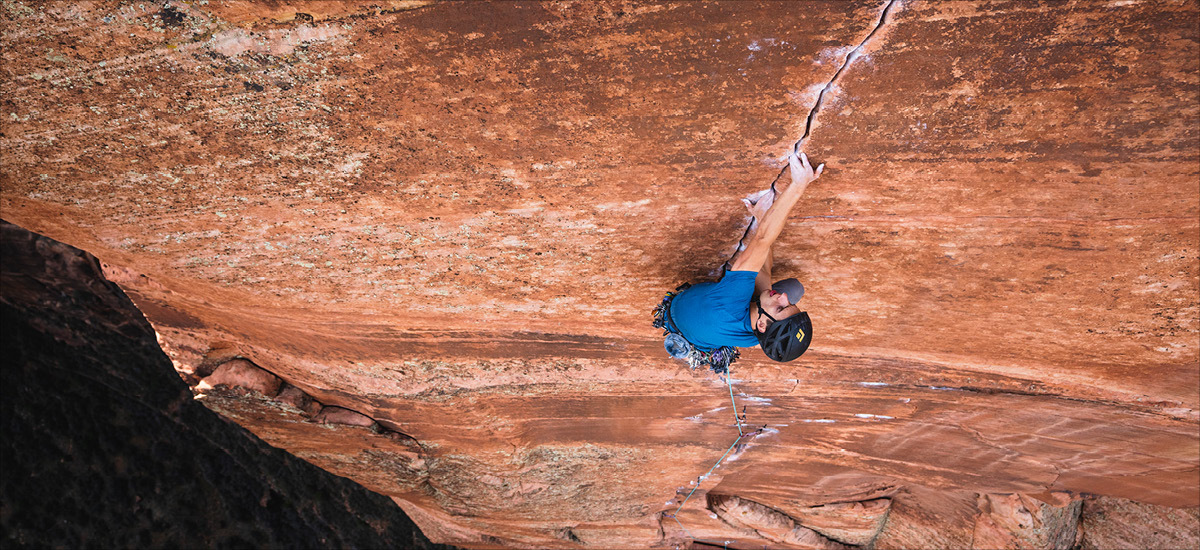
850, 57
808, 124
812, 113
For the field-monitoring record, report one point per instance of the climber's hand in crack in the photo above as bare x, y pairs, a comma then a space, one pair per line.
758, 249
802, 172
758, 203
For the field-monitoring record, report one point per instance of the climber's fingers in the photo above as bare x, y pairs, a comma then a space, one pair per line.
801, 169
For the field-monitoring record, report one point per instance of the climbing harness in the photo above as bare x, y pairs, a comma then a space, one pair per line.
680, 348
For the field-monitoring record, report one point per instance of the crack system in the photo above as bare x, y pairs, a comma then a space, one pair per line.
850, 57
812, 117
812, 114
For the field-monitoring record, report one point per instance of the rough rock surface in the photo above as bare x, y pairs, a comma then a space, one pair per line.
854, 523
243, 374
759, 521
1111, 523
1020, 521
104, 447
345, 417
454, 220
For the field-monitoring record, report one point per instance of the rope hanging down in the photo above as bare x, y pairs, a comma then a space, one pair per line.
742, 434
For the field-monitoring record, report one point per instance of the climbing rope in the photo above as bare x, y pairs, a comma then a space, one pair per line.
737, 419
742, 434
728, 373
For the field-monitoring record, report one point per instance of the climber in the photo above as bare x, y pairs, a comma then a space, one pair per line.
706, 322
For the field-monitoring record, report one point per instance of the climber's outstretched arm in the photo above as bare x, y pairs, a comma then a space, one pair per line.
762, 282
754, 257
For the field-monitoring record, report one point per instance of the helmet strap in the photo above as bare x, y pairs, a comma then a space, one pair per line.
762, 311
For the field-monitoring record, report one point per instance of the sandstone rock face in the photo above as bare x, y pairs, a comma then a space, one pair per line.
243, 374
299, 400
1110, 523
338, 415
104, 447
1019, 521
855, 523
454, 219
762, 522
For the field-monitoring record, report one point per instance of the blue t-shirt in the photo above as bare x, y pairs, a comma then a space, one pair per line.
711, 315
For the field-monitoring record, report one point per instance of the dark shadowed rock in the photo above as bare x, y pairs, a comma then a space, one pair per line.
103, 445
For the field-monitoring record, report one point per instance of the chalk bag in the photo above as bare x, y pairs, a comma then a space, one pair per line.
677, 346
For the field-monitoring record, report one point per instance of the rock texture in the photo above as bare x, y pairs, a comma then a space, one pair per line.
1019, 521
1110, 523
104, 446
454, 219
243, 374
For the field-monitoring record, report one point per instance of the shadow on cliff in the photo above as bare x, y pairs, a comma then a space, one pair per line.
105, 447
698, 256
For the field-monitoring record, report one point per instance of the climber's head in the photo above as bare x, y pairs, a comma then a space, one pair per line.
783, 331
778, 302
772, 305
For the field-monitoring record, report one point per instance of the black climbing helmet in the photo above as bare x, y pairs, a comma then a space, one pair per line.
786, 339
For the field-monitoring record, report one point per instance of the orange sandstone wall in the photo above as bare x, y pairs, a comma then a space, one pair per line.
452, 219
